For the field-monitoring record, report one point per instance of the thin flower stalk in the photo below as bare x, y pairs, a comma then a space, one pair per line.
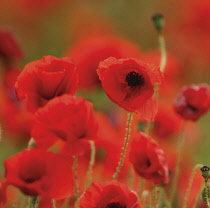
32, 202
207, 194
180, 146
128, 129
190, 184
91, 163
163, 52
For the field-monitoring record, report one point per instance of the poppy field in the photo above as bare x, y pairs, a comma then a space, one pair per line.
104, 104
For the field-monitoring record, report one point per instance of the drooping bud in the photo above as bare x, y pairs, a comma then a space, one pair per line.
205, 172
158, 21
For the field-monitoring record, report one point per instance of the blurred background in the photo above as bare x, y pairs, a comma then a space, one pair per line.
87, 30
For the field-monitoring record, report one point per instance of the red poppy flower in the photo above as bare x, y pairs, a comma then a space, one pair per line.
9, 48
148, 159
67, 119
90, 51
193, 101
108, 194
39, 173
130, 84
19, 123
45, 79
167, 123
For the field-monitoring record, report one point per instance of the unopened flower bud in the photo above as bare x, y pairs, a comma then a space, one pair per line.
158, 21
205, 172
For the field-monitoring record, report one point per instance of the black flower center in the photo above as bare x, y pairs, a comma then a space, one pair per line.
191, 109
32, 179
115, 205
134, 79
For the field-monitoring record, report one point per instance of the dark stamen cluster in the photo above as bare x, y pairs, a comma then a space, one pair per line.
191, 109
115, 205
134, 79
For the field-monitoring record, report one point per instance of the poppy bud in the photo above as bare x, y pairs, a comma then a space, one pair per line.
205, 172
158, 21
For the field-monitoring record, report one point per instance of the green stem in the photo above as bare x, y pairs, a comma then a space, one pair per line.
207, 194
146, 199
74, 169
155, 196
162, 47
124, 147
190, 184
32, 202
197, 197
91, 163
148, 127
54, 203
141, 188
31, 143
180, 146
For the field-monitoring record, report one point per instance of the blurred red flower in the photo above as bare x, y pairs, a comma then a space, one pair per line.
45, 79
194, 27
193, 101
173, 73
39, 173
148, 159
68, 120
130, 84
167, 123
19, 123
9, 47
90, 51
108, 194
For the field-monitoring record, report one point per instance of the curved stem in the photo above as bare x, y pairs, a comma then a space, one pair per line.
190, 184
91, 163
162, 51
124, 146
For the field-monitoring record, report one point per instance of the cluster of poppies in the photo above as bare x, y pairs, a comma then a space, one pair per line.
47, 108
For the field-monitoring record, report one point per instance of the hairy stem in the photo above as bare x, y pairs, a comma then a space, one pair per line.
190, 184
124, 146
91, 163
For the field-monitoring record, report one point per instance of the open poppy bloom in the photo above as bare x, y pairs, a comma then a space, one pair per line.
193, 101
42, 80
130, 84
148, 159
65, 119
109, 194
39, 173
90, 51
